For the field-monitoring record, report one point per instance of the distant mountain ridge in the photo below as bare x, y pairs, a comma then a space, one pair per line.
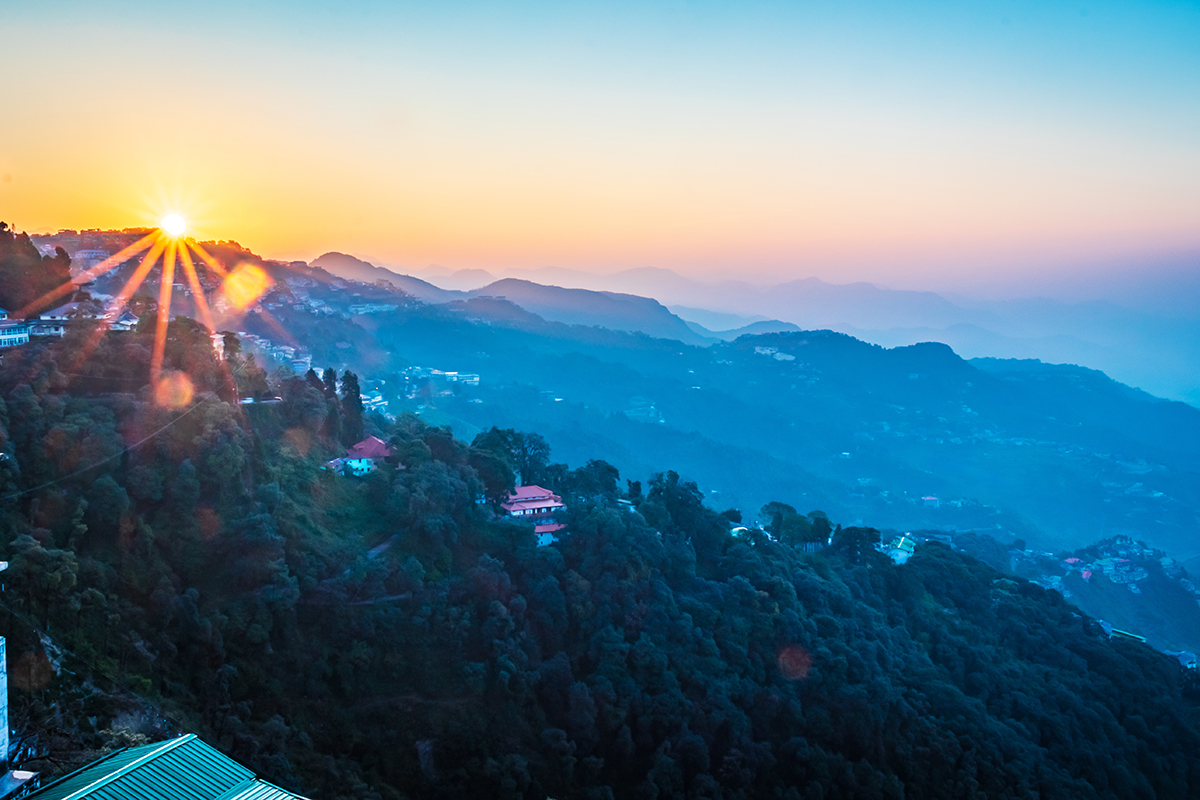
754, 328
1149, 342
1160, 354
807, 302
625, 312
355, 269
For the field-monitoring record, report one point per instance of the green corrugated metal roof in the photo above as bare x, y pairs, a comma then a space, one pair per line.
180, 769
112, 761
259, 790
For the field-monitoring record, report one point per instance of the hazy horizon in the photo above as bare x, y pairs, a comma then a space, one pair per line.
1103, 281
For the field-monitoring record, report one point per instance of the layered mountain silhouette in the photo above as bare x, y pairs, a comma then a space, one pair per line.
355, 269
1158, 352
624, 312
754, 328
573, 306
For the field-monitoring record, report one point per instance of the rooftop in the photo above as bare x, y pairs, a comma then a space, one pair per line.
370, 447
531, 492
65, 310
183, 768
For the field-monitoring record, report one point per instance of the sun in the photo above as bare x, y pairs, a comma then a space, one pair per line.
243, 286
173, 225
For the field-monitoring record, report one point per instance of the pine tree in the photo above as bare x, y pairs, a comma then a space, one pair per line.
352, 409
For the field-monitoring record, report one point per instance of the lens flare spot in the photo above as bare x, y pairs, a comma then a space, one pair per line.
794, 662
300, 439
173, 225
209, 521
174, 390
246, 284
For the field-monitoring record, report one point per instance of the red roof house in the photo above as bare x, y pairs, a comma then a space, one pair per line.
532, 501
538, 505
530, 493
360, 459
371, 447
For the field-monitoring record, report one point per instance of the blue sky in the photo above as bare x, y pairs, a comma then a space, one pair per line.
907, 143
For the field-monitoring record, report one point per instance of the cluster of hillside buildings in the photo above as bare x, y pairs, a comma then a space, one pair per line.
640, 409
1121, 560
298, 298
423, 384
774, 353
415, 376
56, 321
295, 357
297, 293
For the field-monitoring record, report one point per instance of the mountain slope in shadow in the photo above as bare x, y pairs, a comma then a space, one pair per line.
624, 312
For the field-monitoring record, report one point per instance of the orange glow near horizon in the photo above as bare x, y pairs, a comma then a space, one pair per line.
835, 218
840, 204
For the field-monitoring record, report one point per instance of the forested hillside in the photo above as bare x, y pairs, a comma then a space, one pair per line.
907, 437
1051, 454
391, 637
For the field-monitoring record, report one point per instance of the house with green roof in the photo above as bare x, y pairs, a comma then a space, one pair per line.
183, 768
900, 549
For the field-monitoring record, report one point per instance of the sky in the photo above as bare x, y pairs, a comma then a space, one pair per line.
939, 145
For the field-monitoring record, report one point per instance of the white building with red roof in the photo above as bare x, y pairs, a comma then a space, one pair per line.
370, 448
539, 506
362, 457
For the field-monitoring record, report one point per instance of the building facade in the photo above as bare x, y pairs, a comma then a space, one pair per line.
540, 506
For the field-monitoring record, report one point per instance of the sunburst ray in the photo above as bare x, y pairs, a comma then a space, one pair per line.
135, 280
165, 286
277, 326
212, 263
172, 248
122, 299
189, 269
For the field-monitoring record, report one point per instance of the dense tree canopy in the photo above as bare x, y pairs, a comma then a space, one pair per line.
527, 454
391, 636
